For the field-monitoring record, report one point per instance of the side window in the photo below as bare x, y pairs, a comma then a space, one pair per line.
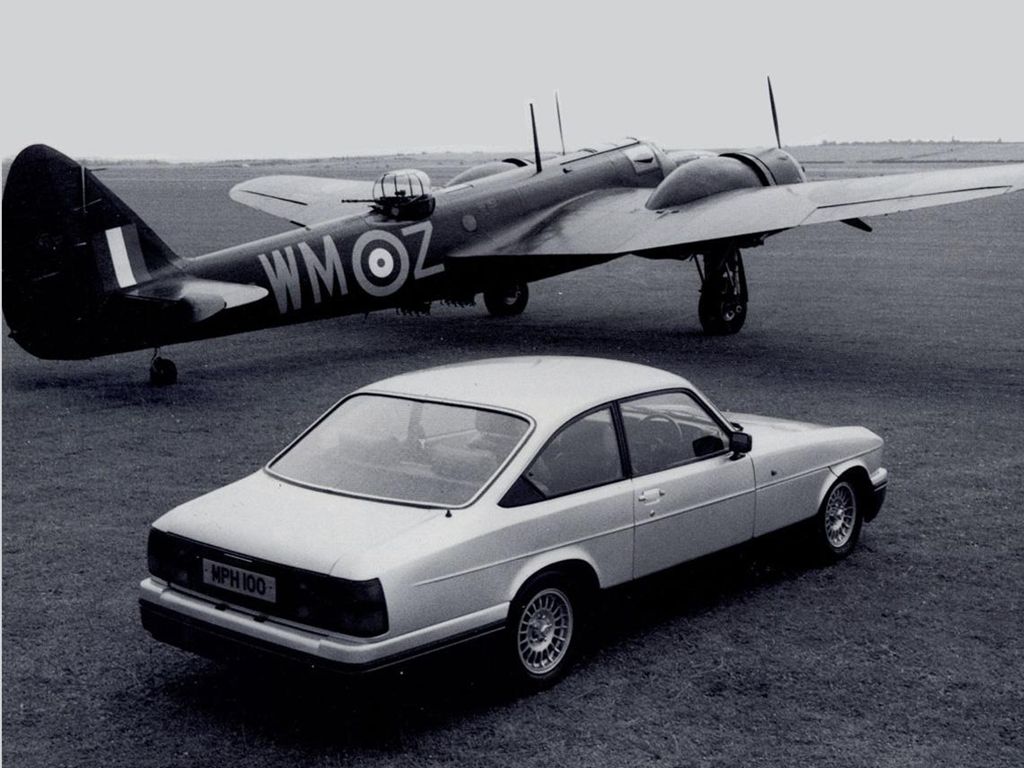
584, 454
669, 429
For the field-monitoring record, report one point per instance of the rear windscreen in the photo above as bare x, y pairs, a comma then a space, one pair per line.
403, 450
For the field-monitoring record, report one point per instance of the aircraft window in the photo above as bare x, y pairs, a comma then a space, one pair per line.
585, 454
667, 430
403, 450
642, 158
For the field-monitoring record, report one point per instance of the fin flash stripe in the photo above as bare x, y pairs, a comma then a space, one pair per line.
126, 256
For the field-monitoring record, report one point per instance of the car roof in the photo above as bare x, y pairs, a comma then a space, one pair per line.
550, 389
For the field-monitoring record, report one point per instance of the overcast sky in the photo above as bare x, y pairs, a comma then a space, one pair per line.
292, 78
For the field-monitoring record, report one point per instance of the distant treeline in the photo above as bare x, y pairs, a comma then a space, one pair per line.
953, 140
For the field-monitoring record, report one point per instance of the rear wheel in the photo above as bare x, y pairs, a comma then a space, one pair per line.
162, 372
837, 525
507, 300
542, 632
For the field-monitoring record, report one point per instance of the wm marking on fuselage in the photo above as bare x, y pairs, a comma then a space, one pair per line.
325, 271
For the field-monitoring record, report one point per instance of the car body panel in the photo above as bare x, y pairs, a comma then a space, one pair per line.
478, 558
493, 551
795, 462
686, 512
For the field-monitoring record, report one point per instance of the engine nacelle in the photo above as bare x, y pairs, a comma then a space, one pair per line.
777, 165
704, 176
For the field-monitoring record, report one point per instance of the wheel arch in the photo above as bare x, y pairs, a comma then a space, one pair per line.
576, 568
853, 470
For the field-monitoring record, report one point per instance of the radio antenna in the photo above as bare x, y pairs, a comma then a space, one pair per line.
536, 143
558, 111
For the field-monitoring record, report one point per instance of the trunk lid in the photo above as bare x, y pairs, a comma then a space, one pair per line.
269, 519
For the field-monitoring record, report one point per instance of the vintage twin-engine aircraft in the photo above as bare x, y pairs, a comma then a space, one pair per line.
83, 275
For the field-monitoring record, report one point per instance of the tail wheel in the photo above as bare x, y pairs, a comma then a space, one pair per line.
162, 372
838, 523
723, 294
542, 632
507, 300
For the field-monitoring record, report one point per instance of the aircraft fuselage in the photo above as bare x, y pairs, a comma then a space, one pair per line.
368, 262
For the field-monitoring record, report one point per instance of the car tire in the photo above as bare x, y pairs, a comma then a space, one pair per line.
543, 631
838, 522
507, 301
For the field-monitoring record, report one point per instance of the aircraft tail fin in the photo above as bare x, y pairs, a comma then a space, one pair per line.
69, 244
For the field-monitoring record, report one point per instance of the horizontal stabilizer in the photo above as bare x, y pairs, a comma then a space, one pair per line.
203, 298
304, 200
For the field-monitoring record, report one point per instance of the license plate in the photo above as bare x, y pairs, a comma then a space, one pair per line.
239, 580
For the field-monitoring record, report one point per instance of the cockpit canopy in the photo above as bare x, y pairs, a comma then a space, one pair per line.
404, 194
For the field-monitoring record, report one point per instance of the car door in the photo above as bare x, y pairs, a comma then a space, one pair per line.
690, 496
576, 494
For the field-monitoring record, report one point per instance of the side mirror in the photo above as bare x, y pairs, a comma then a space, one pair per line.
739, 443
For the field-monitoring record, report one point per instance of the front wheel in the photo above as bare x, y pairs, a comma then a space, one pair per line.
722, 307
508, 300
721, 314
838, 522
542, 632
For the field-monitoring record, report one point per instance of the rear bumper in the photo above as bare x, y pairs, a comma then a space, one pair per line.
220, 632
227, 645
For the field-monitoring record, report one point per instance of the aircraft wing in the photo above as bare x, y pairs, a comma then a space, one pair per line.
616, 222
304, 200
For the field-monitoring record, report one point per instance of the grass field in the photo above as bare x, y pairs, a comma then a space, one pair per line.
909, 653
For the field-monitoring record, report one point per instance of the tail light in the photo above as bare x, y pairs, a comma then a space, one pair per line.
355, 608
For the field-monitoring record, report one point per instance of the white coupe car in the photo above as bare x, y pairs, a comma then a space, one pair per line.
498, 496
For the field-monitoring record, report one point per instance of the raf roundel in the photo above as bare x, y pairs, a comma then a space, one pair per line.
380, 262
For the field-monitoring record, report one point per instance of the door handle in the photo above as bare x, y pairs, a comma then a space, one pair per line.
650, 496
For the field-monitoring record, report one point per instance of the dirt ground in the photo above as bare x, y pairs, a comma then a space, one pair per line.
909, 653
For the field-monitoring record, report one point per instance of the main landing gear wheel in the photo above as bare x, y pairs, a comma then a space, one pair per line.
507, 300
541, 635
723, 293
838, 522
162, 372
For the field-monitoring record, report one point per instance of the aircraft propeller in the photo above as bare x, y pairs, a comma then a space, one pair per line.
775, 114
854, 222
